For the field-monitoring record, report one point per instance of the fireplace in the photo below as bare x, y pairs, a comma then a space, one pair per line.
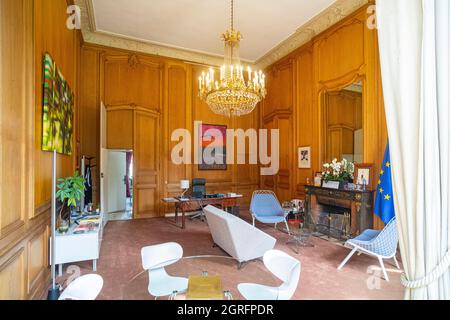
334, 225
339, 214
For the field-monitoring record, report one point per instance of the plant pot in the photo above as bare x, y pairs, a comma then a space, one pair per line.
343, 185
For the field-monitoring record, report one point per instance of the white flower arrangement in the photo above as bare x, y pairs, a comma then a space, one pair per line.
338, 171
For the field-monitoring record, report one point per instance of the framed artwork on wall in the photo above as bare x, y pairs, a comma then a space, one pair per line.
213, 147
304, 158
57, 113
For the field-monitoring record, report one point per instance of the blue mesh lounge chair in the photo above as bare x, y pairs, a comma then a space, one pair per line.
266, 208
381, 244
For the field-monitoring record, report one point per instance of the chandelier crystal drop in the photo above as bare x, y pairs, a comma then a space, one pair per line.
238, 90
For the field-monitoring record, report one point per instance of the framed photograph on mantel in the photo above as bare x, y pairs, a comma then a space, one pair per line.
363, 174
304, 158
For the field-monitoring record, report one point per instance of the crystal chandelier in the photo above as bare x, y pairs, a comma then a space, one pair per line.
232, 95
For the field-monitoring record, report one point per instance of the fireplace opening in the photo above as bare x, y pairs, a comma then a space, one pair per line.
333, 218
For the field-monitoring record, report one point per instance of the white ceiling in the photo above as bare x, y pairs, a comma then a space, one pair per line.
197, 25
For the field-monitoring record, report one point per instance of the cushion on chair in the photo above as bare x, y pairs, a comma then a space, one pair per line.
264, 205
270, 219
367, 235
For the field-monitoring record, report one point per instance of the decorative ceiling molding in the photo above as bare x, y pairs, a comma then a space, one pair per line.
98, 38
324, 20
327, 18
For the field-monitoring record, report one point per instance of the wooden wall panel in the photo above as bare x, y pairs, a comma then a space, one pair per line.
278, 113
114, 79
27, 33
54, 37
340, 50
12, 277
175, 116
306, 119
217, 179
341, 55
89, 101
15, 118
147, 171
37, 259
119, 126
132, 80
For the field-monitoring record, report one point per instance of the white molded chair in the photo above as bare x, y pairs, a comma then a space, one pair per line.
154, 259
85, 287
285, 268
381, 244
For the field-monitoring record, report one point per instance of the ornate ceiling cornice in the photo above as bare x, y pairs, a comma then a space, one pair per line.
90, 35
324, 20
330, 16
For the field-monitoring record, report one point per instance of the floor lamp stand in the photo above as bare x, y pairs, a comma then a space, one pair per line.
53, 292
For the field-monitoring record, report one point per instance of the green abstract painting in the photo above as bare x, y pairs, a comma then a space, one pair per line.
57, 122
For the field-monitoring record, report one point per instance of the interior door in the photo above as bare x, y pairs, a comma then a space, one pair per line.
103, 164
117, 193
104, 182
146, 165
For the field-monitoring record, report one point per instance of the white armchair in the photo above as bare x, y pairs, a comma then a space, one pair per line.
236, 237
285, 268
86, 287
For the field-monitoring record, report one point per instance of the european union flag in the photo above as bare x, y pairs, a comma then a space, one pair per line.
384, 202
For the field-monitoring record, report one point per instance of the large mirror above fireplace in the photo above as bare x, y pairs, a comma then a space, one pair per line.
343, 124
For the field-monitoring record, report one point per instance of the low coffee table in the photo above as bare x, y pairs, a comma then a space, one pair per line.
299, 234
208, 265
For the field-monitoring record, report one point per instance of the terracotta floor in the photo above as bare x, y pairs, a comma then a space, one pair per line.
120, 262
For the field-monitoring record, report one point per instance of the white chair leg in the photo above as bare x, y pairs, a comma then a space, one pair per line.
347, 258
383, 268
276, 226
253, 221
287, 227
396, 262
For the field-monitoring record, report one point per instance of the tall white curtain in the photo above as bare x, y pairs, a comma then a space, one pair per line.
414, 38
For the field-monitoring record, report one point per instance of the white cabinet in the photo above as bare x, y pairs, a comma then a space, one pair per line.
71, 247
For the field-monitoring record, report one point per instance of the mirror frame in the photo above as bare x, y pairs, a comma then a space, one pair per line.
335, 86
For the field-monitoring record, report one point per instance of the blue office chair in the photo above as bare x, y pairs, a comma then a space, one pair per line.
266, 208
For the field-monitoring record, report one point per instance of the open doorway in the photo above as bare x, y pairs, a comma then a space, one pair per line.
120, 185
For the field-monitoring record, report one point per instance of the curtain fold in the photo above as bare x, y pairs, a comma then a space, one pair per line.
414, 52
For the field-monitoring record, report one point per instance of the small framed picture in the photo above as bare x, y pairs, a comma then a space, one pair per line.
363, 173
304, 158
318, 179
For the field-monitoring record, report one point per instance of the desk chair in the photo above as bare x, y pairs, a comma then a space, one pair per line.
199, 192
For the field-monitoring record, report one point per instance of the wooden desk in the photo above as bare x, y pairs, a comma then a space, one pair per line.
191, 205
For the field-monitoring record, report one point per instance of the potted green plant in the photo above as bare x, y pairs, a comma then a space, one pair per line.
70, 190
341, 171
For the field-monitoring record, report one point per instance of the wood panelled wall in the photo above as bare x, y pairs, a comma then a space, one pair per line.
340, 56
146, 99
26, 34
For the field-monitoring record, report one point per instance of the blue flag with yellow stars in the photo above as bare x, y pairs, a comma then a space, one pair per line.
384, 202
